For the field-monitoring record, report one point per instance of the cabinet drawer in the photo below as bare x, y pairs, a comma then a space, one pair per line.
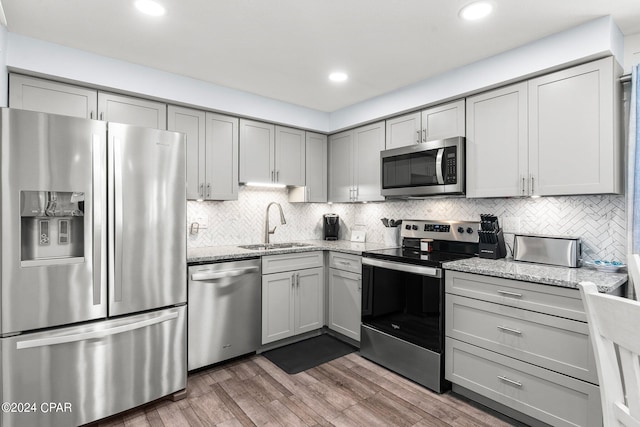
558, 344
345, 262
542, 394
554, 300
289, 262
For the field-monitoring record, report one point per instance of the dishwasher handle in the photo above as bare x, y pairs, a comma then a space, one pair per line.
214, 275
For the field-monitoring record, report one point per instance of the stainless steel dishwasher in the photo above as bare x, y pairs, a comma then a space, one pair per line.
225, 311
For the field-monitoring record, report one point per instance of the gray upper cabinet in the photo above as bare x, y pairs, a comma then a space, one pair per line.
442, 121
315, 188
290, 156
257, 148
341, 167
30, 93
552, 135
212, 152
497, 134
132, 111
271, 154
354, 164
574, 141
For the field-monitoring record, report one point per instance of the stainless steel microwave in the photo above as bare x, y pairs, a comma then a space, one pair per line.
426, 169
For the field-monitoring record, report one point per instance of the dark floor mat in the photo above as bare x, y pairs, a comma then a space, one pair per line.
303, 355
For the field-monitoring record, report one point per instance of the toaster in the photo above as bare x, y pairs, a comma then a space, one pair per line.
565, 251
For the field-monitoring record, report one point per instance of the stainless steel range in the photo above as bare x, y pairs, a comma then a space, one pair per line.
403, 298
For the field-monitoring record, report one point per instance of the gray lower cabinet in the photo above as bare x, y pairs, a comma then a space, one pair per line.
292, 295
522, 345
345, 290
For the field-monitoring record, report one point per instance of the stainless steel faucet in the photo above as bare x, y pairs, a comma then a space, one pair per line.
267, 231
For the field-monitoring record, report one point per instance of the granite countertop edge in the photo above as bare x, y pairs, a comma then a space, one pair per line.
232, 252
539, 273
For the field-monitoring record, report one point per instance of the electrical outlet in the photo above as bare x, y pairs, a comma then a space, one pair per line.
203, 221
511, 224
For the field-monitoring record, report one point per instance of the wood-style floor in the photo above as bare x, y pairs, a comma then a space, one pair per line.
349, 391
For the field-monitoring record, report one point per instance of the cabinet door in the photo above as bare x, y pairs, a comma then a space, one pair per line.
257, 146
221, 165
290, 156
192, 123
309, 308
316, 167
443, 121
132, 111
497, 136
368, 142
278, 320
345, 303
404, 130
341, 167
29, 93
573, 138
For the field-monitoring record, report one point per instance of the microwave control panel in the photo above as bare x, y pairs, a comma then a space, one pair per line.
450, 174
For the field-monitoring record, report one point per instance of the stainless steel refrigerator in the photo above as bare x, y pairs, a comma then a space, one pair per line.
93, 267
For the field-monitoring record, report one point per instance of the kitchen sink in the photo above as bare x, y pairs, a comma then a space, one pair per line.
263, 246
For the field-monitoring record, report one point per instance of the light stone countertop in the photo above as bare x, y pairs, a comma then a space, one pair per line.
539, 273
228, 253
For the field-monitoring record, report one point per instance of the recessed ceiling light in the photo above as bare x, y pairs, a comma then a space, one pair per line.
476, 10
338, 76
150, 7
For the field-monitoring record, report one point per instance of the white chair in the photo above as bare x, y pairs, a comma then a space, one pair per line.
633, 268
614, 327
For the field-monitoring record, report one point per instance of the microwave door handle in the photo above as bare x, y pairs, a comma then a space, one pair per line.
439, 174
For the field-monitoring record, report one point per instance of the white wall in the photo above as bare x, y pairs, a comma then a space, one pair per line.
4, 76
631, 52
594, 39
38, 57
591, 40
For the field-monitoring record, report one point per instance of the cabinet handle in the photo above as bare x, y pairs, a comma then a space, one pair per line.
513, 331
101, 116
356, 192
91, 114
208, 190
293, 280
359, 285
424, 135
510, 381
201, 191
272, 176
277, 175
510, 294
298, 280
532, 190
418, 137
308, 194
523, 185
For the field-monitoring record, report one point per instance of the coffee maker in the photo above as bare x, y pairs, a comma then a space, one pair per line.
331, 226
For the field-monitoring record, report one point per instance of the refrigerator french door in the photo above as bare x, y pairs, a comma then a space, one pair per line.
93, 268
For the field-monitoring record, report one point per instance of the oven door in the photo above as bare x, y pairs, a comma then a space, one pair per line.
405, 301
435, 167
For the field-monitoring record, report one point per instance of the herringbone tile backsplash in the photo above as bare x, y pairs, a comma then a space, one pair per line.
599, 220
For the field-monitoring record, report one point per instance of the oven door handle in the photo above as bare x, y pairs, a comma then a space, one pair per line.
408, 268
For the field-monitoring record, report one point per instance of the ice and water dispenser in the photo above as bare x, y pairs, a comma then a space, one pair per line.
52, 227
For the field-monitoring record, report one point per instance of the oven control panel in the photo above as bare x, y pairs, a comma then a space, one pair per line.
462, 231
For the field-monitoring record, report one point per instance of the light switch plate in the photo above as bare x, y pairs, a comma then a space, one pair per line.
358, 235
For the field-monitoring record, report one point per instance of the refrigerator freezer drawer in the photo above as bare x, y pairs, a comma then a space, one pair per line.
75, 375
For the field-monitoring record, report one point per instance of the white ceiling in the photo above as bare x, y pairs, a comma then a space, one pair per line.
284, 49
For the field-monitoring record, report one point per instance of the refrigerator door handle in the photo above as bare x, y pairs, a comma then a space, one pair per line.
83, 336
213, 275
117, 211
98, 220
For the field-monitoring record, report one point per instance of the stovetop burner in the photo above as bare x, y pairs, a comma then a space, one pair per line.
451, 240
412, 256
